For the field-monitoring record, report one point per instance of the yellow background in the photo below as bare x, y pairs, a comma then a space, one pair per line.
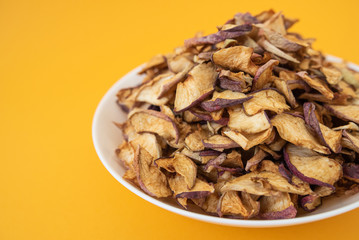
58, 58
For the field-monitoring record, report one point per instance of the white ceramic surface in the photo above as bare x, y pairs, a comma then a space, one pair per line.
106, 137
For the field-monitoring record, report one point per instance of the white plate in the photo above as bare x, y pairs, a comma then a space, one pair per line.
106, 137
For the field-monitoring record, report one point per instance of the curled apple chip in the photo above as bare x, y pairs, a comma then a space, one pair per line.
150, 91
244, 123
198, 85
351, 140
330, 138
280, 41
247, 141
180, 189
219, 142
158, 61
150, 178
317, 84
279, 206
236, 58
194, 140
224, 99
266, 99
284, 89
220, 36
230, 203
293, 130
265, 183
276, 51
332, 75
312, 167
345, 112
264, 75
180, 164
310, 202
154, 122
258, 156
351, 171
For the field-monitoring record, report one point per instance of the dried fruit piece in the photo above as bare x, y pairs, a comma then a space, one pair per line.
219, 142
220, 36
265, 183
264, 74
279, 206
236, 58
194, 140
180, 164
311, 167
154, 122
198, 85
231, 204
224, 99
149, 177
351, 140
333, 75
310, 202
273, 49
293, 129
317, 84
345, 112
180, 190
247, 141
330, 138
266, 99
351, 171
243, 123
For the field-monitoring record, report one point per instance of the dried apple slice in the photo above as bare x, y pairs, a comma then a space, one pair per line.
351, 171
236, 58
330, 138
338, 98
312, 167
266, 99
169, 83
220, 36
283, 87
194, 140
333, 75
198, 85
293, 129
265, 183
231, 204
234, 160
158, 61
179, 187
279, 206
310, 202
345, 112
351, 140
224, 99
219, 142
247, 141
350, 126
258, 156
276, 51
280, 41
317, 84
264, 75
240, 121
150, 91
154, 122
180, 164
150, 178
